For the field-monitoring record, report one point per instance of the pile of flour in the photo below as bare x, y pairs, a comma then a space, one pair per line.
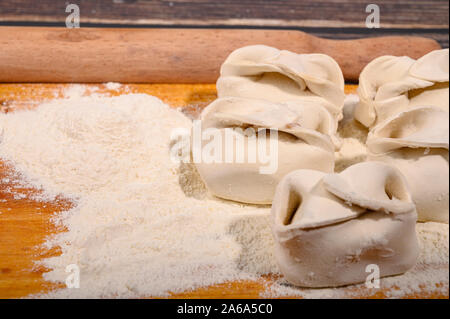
142, 225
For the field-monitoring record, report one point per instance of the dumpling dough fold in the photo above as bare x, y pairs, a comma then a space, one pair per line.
425, 127
389, 85
329, 227
263, 72
305, 140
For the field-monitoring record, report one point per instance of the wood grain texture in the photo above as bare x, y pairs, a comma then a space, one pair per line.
169, 55
336, 19
328, 13
25, 223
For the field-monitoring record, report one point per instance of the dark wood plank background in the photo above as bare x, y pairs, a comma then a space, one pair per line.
328, 18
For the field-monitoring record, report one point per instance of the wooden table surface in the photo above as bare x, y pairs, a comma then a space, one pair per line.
25, 223
338, 19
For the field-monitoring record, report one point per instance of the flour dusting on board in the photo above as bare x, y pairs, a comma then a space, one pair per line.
142, 225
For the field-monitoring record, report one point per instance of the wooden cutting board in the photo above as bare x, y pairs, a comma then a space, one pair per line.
24, 223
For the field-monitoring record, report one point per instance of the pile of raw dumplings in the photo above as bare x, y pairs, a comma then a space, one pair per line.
328, 227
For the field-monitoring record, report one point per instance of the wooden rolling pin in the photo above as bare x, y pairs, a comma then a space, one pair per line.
29, 54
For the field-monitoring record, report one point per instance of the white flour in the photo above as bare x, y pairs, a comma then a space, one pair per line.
142, 225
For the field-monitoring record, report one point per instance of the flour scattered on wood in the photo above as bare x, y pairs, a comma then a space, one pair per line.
113, 85
142, 225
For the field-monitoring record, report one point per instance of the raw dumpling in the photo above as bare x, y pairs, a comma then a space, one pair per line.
263, 72
406, 105
304, 139
389, 85
329, 227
